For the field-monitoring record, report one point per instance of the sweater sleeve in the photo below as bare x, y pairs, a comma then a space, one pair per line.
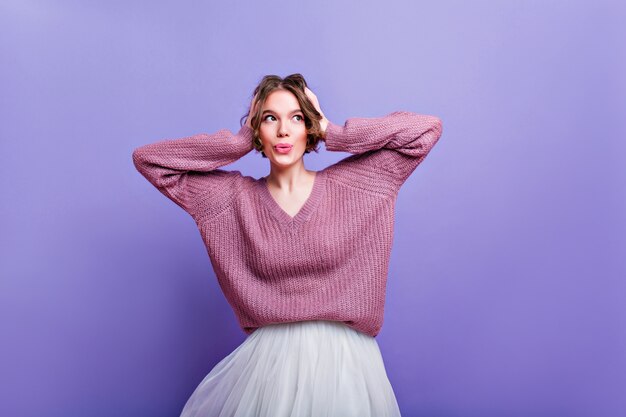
186, 169
386, 150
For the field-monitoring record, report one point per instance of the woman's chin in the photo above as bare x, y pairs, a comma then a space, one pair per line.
283, 160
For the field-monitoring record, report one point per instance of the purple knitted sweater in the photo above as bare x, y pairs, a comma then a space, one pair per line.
328, 262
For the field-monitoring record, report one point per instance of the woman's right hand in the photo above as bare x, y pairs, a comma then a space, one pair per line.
313, 98
251, 112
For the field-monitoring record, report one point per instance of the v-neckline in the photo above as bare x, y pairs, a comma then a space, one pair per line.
305, 211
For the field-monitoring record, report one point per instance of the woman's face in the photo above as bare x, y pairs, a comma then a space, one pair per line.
282, 131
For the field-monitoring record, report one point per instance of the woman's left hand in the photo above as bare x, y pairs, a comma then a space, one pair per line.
313, 98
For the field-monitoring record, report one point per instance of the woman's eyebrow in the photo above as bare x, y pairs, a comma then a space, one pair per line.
272, 111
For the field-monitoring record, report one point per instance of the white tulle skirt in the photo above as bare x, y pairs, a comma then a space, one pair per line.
302, 369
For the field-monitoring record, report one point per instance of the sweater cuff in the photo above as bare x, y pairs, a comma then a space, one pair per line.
333, 137
246, 137
246, 132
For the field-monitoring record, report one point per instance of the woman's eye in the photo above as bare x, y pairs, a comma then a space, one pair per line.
300, 117
269, 115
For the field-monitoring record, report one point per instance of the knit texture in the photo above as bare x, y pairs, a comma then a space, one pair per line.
328, 262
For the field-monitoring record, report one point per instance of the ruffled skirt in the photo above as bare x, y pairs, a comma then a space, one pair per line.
300, 369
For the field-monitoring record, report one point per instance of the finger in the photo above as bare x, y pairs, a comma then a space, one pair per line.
253, 106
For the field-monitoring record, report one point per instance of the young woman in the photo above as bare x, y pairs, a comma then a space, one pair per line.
301, 256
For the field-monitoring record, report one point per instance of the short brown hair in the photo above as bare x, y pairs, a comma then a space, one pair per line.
295, 84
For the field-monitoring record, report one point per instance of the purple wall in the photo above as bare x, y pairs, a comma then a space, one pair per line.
507, 292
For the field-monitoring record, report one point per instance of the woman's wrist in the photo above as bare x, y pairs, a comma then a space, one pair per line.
323, 126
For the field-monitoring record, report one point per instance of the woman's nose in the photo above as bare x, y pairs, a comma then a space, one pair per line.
282, 129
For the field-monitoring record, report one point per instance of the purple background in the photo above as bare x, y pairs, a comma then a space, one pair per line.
506, 293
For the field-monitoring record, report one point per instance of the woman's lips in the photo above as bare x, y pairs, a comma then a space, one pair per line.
283, 148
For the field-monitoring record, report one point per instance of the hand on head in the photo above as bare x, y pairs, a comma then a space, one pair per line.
313, 98
251, 112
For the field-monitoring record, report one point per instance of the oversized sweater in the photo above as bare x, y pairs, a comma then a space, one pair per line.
328, 262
